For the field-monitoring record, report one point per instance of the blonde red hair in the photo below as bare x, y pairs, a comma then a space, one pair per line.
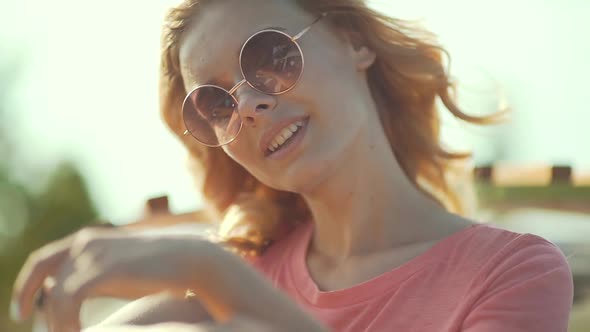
405, 81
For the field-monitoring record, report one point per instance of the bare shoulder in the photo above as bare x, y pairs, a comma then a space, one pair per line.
158, 308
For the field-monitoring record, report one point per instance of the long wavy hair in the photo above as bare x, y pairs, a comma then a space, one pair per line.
405, 81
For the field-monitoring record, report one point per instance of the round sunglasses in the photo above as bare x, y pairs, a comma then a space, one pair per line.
271, 62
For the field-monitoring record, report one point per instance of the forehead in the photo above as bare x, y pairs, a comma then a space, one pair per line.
211, 46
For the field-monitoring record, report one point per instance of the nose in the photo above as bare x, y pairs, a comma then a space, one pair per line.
254, 106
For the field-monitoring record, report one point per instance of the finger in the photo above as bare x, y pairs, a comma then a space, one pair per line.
76, 279
57, 320
62, 314
51, 314
48, 309
43, 263
68, 294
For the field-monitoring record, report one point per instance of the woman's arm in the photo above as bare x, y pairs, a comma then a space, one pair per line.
237, 323
162, 327
232, 287
128, 265
158, 308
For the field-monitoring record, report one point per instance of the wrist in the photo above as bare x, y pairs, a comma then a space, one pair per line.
196, 260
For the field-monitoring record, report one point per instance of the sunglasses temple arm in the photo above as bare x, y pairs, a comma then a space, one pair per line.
304, 31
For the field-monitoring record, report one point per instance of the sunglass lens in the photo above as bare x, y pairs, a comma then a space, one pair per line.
210, 116
271, 62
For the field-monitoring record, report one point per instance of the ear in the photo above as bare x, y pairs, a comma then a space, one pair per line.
362, 55
365, 58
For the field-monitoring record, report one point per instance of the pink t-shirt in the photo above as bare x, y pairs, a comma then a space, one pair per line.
480, 279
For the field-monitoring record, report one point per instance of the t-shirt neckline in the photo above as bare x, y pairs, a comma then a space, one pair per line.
308, 289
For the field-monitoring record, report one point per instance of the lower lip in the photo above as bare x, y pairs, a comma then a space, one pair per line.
292, 145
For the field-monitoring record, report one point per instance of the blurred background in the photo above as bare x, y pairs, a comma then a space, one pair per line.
81, 138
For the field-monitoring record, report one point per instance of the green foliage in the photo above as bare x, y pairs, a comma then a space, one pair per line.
28, 219
61, 208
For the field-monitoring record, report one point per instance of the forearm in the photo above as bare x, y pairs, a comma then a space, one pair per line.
158, 308
231, 286
163, 327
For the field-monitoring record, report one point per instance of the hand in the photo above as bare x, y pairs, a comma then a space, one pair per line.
96, 262
131, 265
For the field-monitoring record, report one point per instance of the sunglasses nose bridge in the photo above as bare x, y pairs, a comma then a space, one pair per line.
237, 86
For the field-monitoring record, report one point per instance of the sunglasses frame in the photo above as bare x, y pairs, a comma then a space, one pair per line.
231, 91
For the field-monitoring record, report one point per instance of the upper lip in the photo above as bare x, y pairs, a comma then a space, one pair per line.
273, 131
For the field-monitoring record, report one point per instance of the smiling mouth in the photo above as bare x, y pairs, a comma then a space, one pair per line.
286, 137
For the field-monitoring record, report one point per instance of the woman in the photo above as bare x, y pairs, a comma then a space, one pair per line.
313, 128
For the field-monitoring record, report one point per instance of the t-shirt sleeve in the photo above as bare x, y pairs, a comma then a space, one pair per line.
530, 290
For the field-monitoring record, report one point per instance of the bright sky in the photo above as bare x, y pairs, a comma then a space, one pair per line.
90, 87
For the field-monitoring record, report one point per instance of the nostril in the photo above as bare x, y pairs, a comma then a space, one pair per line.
249, 120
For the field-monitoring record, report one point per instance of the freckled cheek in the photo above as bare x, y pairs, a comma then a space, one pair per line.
242, 152
323, 90
233, 151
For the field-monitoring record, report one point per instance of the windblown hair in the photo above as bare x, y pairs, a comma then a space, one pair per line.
405, 81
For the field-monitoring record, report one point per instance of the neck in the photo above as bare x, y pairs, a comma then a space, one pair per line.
367, 204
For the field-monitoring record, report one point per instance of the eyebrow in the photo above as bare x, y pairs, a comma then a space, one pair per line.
214, 81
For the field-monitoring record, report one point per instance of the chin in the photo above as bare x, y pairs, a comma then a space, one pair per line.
304, 177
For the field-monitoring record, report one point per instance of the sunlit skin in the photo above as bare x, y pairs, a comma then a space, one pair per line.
344, 168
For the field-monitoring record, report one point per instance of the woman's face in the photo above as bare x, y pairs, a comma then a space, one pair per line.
327, 108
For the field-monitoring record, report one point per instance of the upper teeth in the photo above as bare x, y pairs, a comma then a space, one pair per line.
284, 135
